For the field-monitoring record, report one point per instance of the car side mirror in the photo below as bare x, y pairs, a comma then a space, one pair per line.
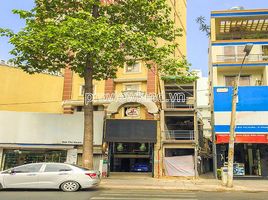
12, 171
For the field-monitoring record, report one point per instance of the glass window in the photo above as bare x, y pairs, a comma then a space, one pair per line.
134, 68
17, 157
230, 80
57, 168
28, 168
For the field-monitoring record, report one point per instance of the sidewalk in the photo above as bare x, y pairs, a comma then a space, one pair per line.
124, 181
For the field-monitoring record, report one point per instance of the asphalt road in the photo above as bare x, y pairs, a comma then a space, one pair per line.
119, 194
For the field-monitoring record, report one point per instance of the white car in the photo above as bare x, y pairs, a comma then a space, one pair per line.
66, 177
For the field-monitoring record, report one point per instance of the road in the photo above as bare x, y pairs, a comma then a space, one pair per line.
119, 194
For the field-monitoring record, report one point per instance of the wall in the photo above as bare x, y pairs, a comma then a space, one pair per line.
254, 72
41, 128
77, 82
251, 109
21, 91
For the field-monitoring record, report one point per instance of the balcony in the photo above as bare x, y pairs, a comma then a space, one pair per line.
239, 58
238, 28
179, 135
241, 36
186, 103
179, 97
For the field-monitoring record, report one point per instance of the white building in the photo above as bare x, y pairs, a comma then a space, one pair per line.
202, 100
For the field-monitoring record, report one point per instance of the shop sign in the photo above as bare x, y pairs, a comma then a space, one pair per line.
222, 90
132, 111
244, 138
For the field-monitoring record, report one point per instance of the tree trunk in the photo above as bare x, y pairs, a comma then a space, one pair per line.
88, 108
88, 118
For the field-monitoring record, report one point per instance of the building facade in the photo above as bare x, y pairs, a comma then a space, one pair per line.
34, 127
131, 128
231, 30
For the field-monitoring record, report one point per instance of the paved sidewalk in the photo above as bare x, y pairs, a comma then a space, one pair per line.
124, 181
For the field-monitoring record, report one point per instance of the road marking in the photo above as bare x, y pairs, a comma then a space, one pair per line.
149, 195
144, 192
131, 198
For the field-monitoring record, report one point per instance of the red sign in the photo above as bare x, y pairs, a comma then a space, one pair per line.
239, 138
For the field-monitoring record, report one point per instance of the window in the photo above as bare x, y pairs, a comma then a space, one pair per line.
82, 90
28, 168
57, 168
265, 52
134, 68
132, 87
230, 80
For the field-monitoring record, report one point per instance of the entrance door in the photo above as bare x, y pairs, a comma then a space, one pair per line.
131, 157
25, 176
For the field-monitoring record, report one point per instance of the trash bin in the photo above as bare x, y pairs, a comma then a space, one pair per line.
224, 175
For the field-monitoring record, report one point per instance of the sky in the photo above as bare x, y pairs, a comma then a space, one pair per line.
197, 41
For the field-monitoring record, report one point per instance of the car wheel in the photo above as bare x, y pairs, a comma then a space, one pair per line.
1, 186
70, 186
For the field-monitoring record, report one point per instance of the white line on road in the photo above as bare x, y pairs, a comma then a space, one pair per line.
149, 195
135, 198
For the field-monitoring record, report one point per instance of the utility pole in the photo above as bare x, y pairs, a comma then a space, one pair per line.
247, 50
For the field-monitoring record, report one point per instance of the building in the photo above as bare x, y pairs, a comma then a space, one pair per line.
202, 101
132, 131
22, 92
231, 30
127, 121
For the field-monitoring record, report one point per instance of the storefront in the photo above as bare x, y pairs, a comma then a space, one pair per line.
15, 157
131, 145
40, 137
250, 159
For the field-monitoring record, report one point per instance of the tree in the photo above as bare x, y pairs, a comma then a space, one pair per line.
201, 20
93, 38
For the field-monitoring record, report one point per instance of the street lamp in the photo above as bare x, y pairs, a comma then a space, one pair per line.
247, 50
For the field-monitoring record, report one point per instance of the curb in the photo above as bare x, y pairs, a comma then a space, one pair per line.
215, 189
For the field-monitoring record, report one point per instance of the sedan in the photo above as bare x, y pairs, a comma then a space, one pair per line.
66, 177
140, 167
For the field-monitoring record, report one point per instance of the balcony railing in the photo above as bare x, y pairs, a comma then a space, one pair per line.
187, 102
241, 36
179, 134
239, 58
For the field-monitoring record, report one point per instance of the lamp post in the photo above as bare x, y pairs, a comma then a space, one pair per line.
247, 50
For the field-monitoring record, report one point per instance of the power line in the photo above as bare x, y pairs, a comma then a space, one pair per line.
38, 102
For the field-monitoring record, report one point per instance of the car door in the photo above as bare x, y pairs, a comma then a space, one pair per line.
25, 176
54, 174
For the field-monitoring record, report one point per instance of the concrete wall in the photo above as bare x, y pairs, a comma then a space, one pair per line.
29, 93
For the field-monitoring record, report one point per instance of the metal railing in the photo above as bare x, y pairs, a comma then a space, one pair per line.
179, 134
188, 102
239, 58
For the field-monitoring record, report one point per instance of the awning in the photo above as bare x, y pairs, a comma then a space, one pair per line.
119, 130
243, 138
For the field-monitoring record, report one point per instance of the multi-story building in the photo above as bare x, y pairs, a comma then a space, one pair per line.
129, 125
132, 131
231, 30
